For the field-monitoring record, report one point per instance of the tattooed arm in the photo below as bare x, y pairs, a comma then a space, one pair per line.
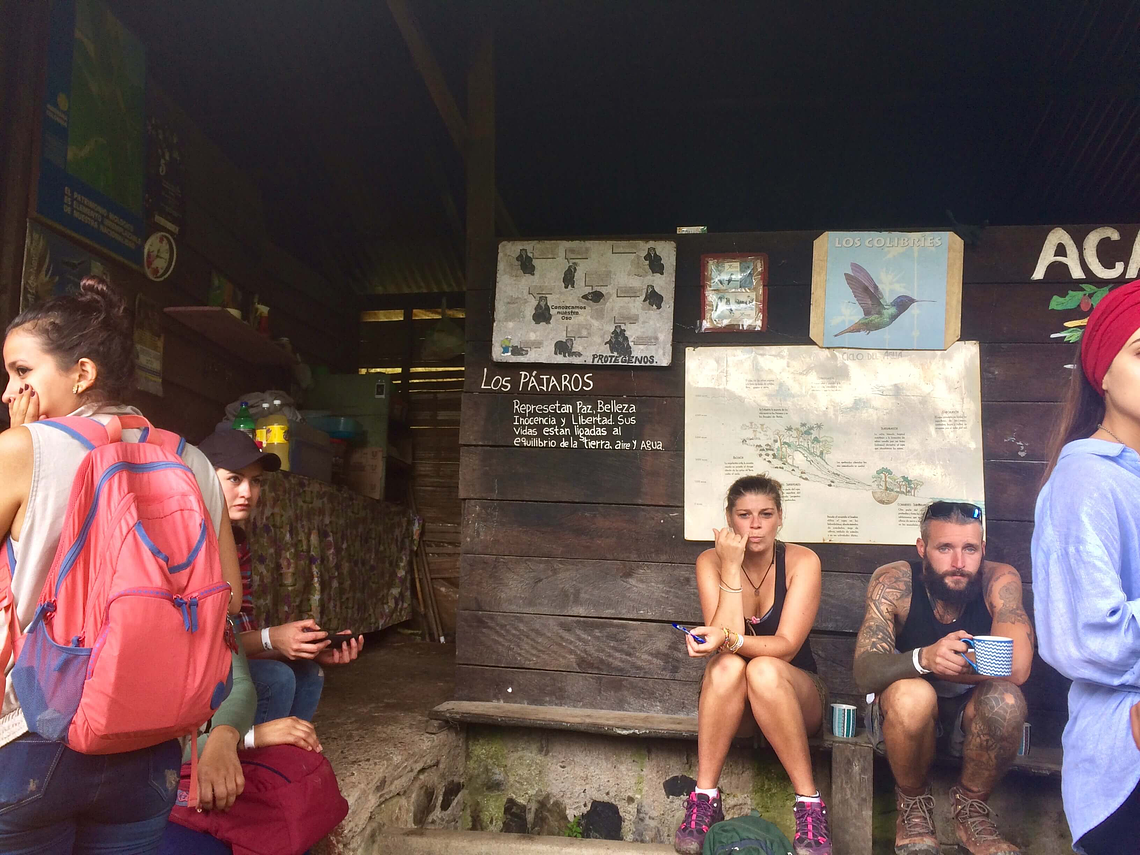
1003, 597
877, 665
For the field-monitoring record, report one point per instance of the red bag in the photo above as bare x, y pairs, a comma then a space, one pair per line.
291, 801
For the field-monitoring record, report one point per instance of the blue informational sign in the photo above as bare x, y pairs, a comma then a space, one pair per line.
890, 290
93, 160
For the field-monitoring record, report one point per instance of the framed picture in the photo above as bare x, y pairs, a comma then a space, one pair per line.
886, 290
734, 292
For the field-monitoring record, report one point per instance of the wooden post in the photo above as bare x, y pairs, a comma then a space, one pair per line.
21, 62
409, 328
852, 793
481, 248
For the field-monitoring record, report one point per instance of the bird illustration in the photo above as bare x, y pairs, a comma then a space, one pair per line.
876, 315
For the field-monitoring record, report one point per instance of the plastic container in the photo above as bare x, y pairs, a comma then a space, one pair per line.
244, 422
338, 427
273, 434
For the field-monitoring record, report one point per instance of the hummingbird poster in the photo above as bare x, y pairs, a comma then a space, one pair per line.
887, 290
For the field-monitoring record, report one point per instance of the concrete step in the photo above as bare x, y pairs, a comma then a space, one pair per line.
423, 841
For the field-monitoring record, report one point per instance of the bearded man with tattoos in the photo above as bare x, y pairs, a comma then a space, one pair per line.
908, 654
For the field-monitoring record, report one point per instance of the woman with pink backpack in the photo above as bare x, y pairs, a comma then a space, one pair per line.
68, 358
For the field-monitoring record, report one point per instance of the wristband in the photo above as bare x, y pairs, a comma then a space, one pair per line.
918, 665
266, 644
250, 741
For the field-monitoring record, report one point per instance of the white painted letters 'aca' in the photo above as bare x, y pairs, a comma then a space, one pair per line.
1060, 248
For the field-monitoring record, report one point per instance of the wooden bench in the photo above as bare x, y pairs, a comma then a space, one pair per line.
852, 760
638, 682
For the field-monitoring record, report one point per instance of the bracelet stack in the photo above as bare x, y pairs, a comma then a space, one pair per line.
723, 587
732, 640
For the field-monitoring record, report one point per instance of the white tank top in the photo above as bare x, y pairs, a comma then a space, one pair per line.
56, 459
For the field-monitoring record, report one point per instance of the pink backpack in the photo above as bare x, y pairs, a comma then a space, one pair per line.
126, 647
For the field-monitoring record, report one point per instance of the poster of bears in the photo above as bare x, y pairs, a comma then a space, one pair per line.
598, 302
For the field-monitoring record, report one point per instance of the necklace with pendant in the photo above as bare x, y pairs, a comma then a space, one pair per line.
756, 588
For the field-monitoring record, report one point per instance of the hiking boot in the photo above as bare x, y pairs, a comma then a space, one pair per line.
700, 814
914, 828
813, 836
977, 834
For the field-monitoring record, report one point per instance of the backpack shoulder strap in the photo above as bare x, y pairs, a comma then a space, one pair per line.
8, 604
172, 442
88, 432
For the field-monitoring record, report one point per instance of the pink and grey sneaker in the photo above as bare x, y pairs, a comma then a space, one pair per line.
700, 814
813, 836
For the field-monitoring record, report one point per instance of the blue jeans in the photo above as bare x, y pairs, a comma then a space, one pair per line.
286, 688
55, 801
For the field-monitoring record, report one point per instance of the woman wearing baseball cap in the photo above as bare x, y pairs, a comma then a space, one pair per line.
1086, 577
284, 661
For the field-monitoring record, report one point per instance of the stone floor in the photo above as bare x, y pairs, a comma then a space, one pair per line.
395, 767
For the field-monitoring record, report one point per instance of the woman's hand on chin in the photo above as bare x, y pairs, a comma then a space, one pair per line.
24, 407
730, 547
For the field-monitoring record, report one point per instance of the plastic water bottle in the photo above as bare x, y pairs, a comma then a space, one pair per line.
274, 433
244, 422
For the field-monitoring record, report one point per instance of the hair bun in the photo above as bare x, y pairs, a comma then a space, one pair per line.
98, 290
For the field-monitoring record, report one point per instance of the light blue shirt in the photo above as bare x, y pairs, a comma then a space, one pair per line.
1086, 601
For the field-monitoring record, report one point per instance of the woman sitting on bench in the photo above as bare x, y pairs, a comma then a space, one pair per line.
759, 598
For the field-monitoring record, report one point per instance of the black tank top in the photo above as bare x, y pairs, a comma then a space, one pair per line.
770, 622
923, 628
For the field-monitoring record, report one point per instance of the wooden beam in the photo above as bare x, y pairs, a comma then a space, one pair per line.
436, 83
424, 300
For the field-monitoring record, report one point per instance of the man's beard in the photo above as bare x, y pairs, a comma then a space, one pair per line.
939, 590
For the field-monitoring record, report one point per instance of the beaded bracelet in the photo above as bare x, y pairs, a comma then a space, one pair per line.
724, 645
732, 640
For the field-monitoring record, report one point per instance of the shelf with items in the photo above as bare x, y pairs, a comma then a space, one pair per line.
232, 334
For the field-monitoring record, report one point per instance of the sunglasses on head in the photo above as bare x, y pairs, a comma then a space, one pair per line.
946, 510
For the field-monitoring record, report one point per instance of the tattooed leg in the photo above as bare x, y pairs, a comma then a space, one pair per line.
992, 723
910, 709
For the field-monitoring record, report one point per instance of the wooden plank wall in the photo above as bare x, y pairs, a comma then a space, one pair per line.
434, 419
224, 230
574, 561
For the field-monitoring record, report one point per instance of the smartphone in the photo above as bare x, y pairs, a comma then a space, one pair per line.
696, 638
340, 635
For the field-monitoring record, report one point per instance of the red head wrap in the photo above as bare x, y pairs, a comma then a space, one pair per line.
1113, 321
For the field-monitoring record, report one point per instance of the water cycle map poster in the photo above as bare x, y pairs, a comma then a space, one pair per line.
861, 440
597, 302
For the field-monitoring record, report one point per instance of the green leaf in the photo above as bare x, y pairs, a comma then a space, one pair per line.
1090, 287
1074, 334
1099, 295
1069, 301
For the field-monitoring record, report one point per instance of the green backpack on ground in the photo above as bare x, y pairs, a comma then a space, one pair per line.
746, 835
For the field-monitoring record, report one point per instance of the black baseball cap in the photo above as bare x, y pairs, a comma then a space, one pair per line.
232, 449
